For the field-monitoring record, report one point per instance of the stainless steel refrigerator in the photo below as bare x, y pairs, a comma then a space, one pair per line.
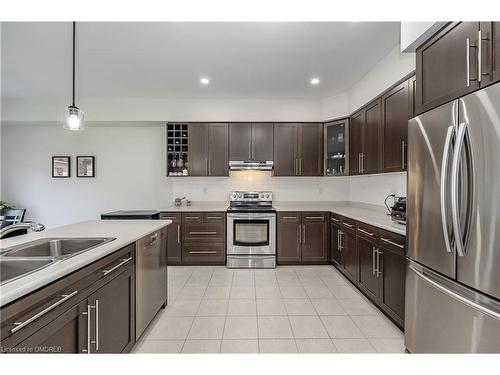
453, 275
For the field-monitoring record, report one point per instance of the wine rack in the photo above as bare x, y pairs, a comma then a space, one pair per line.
177, 149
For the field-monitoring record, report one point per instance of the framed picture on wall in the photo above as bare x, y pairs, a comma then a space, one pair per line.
61, 166
85, 166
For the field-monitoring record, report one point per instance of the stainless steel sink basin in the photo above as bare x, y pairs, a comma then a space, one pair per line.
11, 269
60, 248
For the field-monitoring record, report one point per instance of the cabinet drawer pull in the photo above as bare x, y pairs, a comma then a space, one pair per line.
392, 243
348, 225
168, 218
97, 325
366, 232
20, 325
203, 252
214, 218
178, 233
289, 217
202, 233
192, 217
124, 261
314, 217
336, 220
374, 260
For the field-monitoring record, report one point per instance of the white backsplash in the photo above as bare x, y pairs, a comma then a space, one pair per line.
365, 189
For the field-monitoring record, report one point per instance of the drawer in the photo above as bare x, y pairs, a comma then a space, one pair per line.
392, 241
288, 217
174, 216
203, 232
368, 232
192, 217
214, 217
315, 217
335, 219
349, 224
203, 253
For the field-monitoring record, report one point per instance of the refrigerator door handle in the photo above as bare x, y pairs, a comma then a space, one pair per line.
454, 295
455, 170
444, 188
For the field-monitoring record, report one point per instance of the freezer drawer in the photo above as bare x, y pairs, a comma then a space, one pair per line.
445, 317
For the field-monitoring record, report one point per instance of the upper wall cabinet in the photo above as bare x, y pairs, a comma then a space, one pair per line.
365, 139
395, 115
251, 141
208, 145
298, 149
336, 135
461, 58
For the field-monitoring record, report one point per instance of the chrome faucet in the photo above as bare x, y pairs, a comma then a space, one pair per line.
35, 227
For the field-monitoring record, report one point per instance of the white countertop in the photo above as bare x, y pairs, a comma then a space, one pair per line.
125, 232
369, 214
373, 215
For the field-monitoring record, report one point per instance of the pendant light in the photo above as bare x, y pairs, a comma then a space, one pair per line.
73, 116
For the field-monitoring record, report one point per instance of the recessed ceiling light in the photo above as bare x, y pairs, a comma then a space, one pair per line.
315, 81
204, 81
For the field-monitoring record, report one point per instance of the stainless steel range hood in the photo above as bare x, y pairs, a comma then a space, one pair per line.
244, 165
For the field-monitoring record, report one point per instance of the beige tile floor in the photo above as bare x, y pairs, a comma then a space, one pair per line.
295, 309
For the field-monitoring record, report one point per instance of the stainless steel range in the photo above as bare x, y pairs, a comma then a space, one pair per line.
251, 230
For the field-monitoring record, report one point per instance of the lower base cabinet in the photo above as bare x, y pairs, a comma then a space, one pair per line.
303, 237
89, 311
374, 261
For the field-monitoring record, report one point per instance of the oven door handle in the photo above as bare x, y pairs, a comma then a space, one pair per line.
250, 218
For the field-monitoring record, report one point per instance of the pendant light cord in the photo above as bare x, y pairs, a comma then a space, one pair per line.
74, 31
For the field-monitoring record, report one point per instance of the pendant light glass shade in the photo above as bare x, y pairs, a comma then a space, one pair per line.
73, 118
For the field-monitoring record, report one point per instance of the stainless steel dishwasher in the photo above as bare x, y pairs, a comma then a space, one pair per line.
150, 279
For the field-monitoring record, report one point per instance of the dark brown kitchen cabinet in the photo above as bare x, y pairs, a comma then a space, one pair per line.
315, 237
298, 149
335, 251
371, 152
310, 150
365, 142
302, 237
262, 141
174, 243
90, 309
251, 141
65, 334
447, 65
285, 150
218, 158
289, 241
208, 149
240, 141
355, 142
203, 238
349, 250
392, 271
367, 273
395, 116
113, 314
490, 68
412, 95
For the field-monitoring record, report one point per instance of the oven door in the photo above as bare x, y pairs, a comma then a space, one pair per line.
251, 233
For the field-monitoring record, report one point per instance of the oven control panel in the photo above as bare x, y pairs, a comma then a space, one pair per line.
251, 196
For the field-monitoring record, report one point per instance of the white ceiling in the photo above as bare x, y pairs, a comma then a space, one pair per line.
166, 60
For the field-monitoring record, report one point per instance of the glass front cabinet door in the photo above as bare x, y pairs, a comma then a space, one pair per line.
336, 148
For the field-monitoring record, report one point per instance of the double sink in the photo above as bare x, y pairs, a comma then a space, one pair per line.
21, 260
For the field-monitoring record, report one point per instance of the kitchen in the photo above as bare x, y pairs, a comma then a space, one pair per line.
203, 209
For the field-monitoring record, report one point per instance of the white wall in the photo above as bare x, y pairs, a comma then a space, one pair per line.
130, 171
414, 34
151, 109
373, 189
335, 107
385, 73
